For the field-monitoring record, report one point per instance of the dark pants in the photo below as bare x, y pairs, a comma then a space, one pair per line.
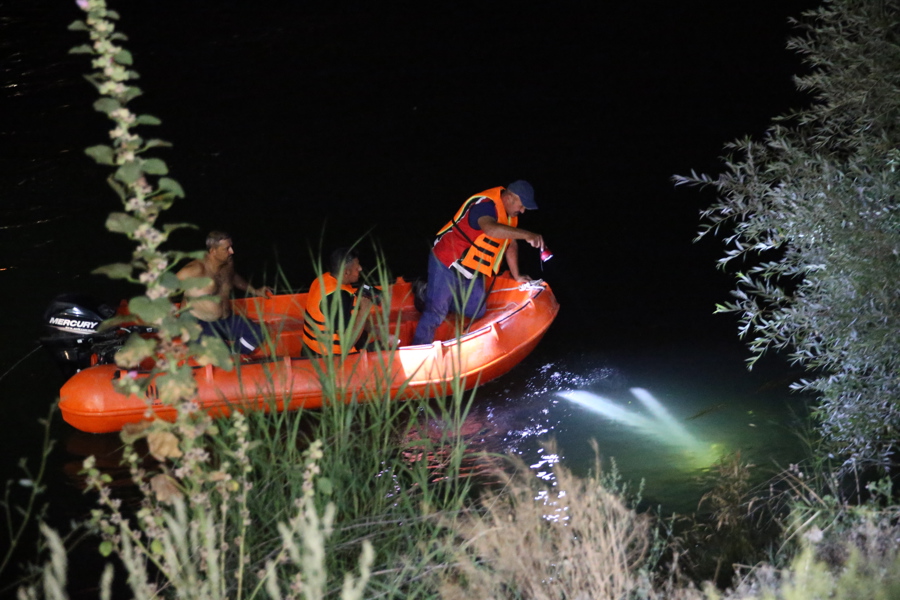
245, 334
448, 290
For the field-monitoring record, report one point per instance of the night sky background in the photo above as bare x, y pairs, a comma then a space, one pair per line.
297, 126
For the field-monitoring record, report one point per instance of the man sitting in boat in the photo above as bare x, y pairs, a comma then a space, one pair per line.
470, 248
338, 314
211, 304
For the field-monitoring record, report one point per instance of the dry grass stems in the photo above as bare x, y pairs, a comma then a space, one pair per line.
576, 540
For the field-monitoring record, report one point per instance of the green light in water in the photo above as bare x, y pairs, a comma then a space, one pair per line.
659, 424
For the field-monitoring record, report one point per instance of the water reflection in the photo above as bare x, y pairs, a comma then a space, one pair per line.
107, 449
667, 431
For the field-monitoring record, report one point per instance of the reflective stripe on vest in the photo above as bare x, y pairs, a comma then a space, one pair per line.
316, 334
485, 253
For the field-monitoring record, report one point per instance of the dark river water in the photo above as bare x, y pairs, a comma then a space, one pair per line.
298, 130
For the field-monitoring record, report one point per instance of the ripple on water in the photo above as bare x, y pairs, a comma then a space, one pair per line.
668, 432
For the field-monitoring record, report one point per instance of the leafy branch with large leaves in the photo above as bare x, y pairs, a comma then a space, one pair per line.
142, 184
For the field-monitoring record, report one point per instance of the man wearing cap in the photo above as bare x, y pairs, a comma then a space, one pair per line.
471, 247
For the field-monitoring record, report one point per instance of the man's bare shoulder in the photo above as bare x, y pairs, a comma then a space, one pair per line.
195, 268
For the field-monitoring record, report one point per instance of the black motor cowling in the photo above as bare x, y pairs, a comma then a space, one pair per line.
72, 322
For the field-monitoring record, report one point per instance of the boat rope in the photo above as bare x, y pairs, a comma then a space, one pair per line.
9, 370
534, 284
482, 302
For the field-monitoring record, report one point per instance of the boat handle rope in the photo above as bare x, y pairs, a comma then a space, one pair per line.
534, 284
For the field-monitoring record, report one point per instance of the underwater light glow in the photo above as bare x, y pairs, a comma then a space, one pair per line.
664, 418
659, 424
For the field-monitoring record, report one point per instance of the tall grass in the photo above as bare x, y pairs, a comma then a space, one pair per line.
284, 504
23, 507
372, 498
732, 526
841, 552
576, 539
375, 469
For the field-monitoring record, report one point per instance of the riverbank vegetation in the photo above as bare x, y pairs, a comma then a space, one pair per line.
370, 498
810, 218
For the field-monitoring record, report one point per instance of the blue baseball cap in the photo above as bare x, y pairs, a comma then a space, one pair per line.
523, 190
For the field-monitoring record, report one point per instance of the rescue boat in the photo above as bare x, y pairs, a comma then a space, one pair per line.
283, 377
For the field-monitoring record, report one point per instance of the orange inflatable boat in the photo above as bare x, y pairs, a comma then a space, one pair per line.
283, 378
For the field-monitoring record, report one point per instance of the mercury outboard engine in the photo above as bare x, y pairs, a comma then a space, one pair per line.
72, 322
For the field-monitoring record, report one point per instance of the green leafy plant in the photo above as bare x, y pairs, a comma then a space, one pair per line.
190, 530
810, 215
141, 183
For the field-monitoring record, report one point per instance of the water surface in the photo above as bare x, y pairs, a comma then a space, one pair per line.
300, 132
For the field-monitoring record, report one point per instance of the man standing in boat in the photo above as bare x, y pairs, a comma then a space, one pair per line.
470, 248
211, 304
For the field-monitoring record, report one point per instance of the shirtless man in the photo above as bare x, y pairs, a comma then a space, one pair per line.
214, 313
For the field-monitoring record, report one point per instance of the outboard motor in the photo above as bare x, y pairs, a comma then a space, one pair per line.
72, 322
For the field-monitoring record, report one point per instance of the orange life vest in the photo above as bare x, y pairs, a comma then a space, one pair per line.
484, 253
316, 334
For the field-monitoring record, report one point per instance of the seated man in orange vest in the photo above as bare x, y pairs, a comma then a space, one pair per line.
471, 247
337, 315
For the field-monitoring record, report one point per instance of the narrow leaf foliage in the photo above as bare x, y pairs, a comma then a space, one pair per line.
811, 215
